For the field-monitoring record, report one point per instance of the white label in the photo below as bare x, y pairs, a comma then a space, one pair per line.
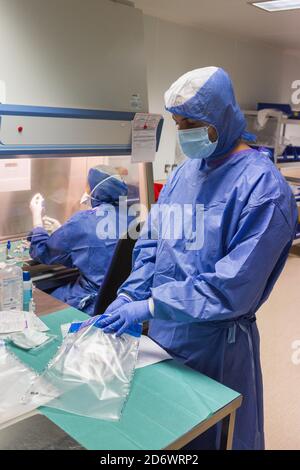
144, 132
9, 292
15, 175
136, 102
12, 321
2, 92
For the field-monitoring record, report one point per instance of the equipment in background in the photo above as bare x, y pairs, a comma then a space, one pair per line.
274, 125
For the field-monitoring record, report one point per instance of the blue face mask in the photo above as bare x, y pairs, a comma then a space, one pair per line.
195, 143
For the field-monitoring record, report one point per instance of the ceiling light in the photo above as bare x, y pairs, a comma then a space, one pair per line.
277, 5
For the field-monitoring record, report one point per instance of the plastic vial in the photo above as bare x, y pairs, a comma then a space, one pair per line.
32, 305
8, 250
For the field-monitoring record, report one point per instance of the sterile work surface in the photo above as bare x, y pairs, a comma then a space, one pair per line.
167, 401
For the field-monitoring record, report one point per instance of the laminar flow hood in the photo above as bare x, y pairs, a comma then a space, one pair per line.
72, 74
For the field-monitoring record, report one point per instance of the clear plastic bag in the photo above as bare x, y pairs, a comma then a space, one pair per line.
91, 373
15, 379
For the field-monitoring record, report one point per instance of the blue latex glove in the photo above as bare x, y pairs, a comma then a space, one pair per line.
116, 304
127, 315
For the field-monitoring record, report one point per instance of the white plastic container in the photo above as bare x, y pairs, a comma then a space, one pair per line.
11, 286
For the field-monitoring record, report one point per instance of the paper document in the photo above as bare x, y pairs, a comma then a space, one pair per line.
16, 320
15, 175
144, 137
35, 322
150, 353
12, 321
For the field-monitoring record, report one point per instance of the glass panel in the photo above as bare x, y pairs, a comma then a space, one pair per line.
267, 136
122, 166
62, 182
80, 251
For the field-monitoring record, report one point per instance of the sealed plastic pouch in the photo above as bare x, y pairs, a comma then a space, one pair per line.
15, 379
91, 373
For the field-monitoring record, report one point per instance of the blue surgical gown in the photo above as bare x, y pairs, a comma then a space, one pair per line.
205, 300
77, 245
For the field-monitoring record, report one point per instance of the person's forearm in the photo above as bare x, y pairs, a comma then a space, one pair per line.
37, 221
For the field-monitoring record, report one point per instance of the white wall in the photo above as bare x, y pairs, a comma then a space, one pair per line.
258, 71
290, 73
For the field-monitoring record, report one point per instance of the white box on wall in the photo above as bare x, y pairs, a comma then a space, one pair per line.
15, 175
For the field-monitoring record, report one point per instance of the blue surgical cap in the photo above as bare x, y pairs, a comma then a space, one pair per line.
107, 192
207, 95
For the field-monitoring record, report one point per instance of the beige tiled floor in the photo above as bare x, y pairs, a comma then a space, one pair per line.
279, 324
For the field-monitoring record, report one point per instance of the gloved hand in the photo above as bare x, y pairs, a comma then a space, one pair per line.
116, 304
50, 225
37, 207
127, 315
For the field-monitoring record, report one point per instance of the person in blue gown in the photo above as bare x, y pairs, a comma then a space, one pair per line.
202, 302
78, 243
